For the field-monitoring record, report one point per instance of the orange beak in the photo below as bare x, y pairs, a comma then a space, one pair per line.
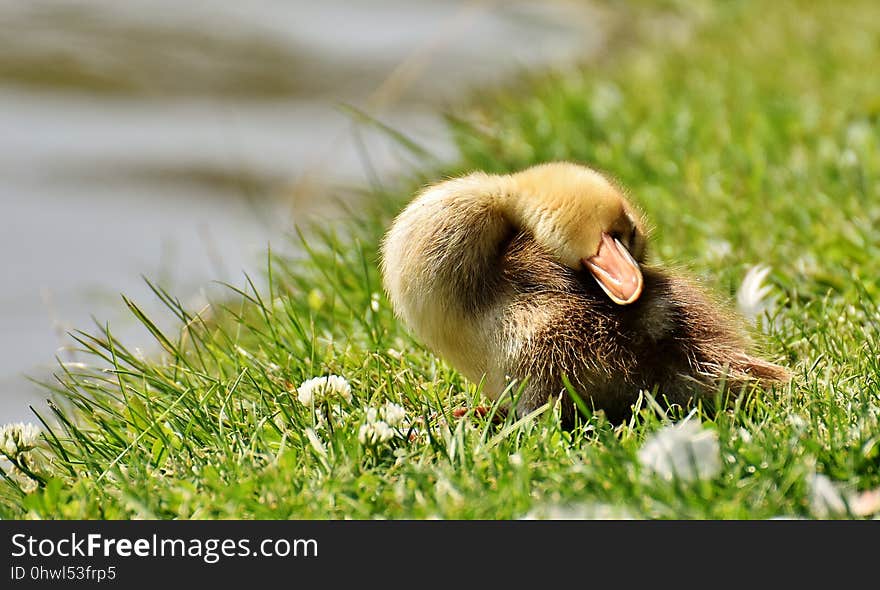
616, 271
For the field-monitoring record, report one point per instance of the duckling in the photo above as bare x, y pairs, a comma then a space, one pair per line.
540, 275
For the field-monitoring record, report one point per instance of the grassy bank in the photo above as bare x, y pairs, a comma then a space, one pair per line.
753, 143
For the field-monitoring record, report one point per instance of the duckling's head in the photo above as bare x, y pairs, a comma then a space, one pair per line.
586, 222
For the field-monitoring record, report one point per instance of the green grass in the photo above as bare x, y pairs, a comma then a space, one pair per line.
761, 132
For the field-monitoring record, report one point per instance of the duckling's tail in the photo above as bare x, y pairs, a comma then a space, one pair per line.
767, 373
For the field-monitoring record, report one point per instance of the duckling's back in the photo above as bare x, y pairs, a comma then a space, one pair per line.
557, 322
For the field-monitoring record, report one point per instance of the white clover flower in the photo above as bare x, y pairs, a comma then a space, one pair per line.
18, 438
25, 482
719, 249
392, 414
753, 297
373, 433
318, 389
682, 451
18, 443
825, 499
379, 423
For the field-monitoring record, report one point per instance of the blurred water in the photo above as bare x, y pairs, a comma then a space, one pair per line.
160, 138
